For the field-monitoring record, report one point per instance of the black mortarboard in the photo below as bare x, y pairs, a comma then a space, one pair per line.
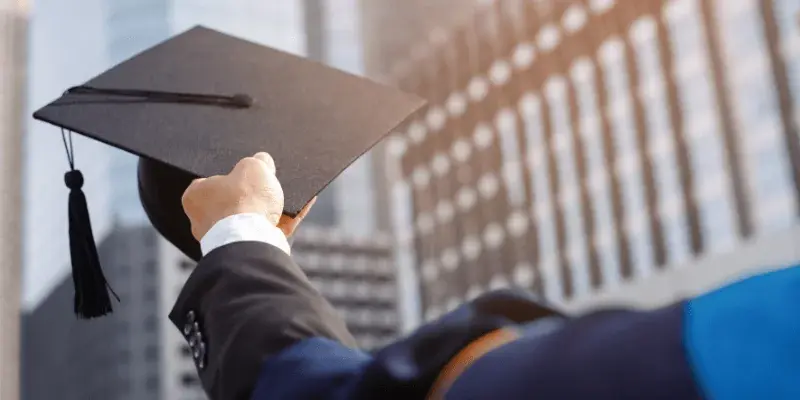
196, 104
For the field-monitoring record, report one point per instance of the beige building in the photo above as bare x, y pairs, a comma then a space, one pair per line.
13, 39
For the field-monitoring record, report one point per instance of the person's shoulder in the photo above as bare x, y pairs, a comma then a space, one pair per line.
313, 368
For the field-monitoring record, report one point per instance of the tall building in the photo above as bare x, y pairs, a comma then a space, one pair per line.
13, 62
580, 149
116, 357
135, 353
391, 31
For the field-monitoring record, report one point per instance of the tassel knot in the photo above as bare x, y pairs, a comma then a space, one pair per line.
74, 179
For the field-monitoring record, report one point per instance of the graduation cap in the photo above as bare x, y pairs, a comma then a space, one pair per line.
193, 106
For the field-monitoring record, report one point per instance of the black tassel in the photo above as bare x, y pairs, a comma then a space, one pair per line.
92, 297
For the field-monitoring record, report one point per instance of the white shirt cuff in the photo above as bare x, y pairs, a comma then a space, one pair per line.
243, 228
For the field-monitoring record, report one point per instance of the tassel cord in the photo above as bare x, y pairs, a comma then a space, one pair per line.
91, 286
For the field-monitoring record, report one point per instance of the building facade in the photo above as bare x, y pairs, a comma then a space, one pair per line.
357, 275
576, 148
13, 63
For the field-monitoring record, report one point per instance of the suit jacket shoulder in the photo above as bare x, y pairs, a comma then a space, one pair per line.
244, 303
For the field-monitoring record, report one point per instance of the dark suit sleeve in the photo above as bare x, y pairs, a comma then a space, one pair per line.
243, 303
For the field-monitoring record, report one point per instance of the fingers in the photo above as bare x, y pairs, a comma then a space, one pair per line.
188, 197
267, 160
260, 163
288, 224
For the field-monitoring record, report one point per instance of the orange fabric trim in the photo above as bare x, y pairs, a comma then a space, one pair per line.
466, 357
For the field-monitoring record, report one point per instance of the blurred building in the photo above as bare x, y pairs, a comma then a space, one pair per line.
394, 27
13, 64
120, 356
135, 353
357, 275
582, 149
391, 31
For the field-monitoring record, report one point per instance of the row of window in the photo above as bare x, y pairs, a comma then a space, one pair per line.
346, 264
317, 236
371, 342
365, 317
355, 290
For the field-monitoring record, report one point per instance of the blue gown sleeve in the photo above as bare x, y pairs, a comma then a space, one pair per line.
743, 340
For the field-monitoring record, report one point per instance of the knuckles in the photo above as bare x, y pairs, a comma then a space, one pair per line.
250, 165
188, 198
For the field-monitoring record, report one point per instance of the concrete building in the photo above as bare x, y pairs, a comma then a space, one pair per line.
13, 63
135, 353
587, 149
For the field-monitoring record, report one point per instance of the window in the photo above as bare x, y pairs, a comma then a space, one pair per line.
186, 265
151, 353
755, 103
661, 135
151, 383
151, 267
150, 240
150, 323
530, 109
510, 148
627, 152
582, 74
564, 152
186, 351
189, 379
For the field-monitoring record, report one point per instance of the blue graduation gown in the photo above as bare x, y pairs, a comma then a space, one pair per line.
738, 342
